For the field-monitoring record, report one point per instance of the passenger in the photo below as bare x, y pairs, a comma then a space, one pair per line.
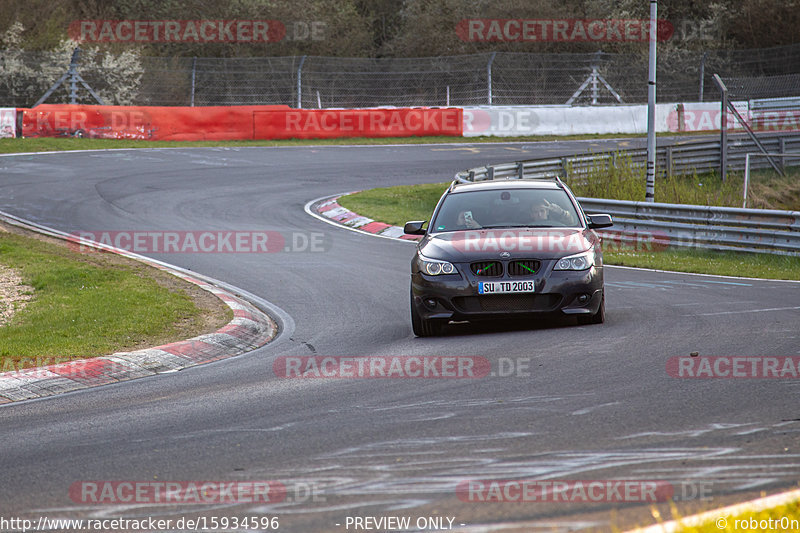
466, 221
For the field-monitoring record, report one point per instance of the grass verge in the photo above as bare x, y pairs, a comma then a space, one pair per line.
89, 304
749, 265
47, 144
396, 205
624, 181
399, 204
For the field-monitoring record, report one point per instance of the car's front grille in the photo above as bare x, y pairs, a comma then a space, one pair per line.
507, 302
523, 267
487, 268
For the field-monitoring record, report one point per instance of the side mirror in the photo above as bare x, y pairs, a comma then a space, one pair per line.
599, 221
414, 227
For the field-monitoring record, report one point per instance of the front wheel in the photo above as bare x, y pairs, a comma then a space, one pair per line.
421, 326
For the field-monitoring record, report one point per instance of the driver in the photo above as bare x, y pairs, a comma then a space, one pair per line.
542, 210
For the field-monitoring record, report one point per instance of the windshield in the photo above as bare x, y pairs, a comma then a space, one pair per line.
509, 208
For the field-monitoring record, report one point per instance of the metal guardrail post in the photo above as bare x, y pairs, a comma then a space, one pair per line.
490, 172
668, 160
300, 83
520, 170
194, 69
746, 180
723, 128
782, 149
702, 74
489, 75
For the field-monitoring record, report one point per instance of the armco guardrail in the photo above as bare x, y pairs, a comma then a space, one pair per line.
715, 228
684, 158
709, 227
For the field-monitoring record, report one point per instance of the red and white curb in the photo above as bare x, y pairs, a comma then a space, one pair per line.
250, 328
328, 209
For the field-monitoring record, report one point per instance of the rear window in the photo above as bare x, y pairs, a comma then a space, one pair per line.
505, 208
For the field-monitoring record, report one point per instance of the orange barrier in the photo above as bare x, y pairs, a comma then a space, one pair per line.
234, 122
330, 123
148, 123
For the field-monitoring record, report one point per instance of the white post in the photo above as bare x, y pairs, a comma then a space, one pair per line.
651, 107
489, 75
746, 179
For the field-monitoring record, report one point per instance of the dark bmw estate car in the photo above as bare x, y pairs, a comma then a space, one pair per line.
506, 248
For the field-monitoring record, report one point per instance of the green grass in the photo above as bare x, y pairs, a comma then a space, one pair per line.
709, 262
86, 305
46, 144
396, 205
626, 182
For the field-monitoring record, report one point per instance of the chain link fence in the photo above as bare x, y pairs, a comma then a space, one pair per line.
501, 78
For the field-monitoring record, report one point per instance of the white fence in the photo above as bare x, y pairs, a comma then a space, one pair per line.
623, 119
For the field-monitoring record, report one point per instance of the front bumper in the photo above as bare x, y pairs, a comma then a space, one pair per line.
556, 292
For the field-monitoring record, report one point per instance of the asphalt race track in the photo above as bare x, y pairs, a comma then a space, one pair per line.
585, 403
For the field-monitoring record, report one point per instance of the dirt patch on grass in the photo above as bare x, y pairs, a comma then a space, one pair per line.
14, 294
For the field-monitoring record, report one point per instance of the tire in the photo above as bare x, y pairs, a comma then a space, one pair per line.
598, 318
421, 326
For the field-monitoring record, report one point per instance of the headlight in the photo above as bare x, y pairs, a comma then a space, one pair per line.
433, 267
576, 262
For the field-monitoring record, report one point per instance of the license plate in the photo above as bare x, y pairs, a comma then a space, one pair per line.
504, 287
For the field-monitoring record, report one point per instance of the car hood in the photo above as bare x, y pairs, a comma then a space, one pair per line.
539, 243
